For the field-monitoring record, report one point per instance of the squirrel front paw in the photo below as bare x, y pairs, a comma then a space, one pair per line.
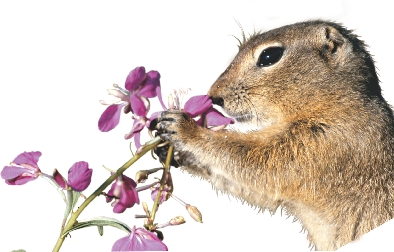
173, 126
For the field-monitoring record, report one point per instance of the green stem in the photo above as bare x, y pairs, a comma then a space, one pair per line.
149, 146
162, 183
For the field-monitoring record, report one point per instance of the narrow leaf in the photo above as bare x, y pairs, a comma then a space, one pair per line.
100, 221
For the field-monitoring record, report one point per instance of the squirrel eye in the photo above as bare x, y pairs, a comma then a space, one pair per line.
270, 56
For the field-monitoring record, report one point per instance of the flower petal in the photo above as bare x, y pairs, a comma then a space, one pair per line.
119, 207
138, 106
137, 140
128, 199
125, 193
139, 240
124, 244
110, 117
21, 180
59, 179
138, 125
197, 105
111, 192
167, 189
14, 175
152, 117
30, 158
151, 240
215, 118
149, 88
135, 78
200, 121
129, 194
159, 96
163, 195
79, 176
10, 172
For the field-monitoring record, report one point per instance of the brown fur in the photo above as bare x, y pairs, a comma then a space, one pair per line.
324, 147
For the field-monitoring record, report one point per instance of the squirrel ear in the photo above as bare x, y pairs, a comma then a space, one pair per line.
332, 41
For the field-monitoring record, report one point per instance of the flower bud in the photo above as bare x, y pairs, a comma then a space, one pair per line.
173, 222
141, 176
194, 213
177, 221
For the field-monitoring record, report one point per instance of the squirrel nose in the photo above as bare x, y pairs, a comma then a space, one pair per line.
218, 101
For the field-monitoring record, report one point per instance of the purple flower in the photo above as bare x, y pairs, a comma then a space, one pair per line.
139, 239
139, 124
201, 105
197, 105
124, 192
139, 86
213, 119
79, 177
142, 86
23, 169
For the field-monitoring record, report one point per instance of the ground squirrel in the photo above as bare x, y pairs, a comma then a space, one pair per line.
323, 143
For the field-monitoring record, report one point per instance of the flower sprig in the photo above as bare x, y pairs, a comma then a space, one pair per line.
140, 86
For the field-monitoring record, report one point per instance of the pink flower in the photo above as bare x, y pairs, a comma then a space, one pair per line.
124, 192
23, 169
197, 105
139, 240
139, 124
139, 86
201, 105
79, 177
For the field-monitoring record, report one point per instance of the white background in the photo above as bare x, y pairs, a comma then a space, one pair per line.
58, 59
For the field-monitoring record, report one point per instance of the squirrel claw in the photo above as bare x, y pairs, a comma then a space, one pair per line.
169, 127
169, 124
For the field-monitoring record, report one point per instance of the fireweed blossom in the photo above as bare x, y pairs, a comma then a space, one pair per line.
79, 177
123, 190
139, 239
201, 105
139, 87
200, 108
139, 124
23, 169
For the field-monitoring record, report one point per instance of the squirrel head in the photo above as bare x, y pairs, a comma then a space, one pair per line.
300, 70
